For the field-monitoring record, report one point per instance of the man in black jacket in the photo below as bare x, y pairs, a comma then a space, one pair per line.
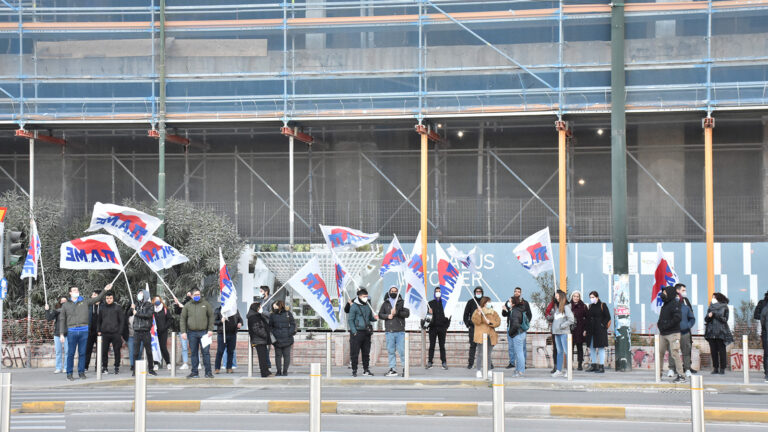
93, 330
232, 324
669, 330
469, 309
438, 328
393, 313
142, 324
110, 325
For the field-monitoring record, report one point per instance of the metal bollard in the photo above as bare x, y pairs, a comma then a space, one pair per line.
656, 359
570, 357
498, 402
485, 356
250, 358
407, 359
328, 353
697, 403
5, 402
314, 397
140, 397
173, 354
745, 358
99, 346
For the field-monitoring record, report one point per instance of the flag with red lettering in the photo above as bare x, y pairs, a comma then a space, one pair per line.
535, 253
449, 280
96, 252
33, 254
228, 292
663, 277
470, 260
155, 342
159, 255
394, 259
308, 283
129, 225
415, 294
342, 277
342, 238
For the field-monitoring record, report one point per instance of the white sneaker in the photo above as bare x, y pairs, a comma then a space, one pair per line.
57, 371
670, 373
169, 367
234, 367
490, 374
479, 374
157, 367
184, 366
687, 374
557, 374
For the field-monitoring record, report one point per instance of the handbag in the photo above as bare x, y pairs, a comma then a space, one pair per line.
525, 324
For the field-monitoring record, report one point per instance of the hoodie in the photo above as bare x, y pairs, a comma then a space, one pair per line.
142, 319
360, 316
258, 325
670, 314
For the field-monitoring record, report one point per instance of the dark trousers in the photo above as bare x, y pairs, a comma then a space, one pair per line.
89, 348
283, 358
263, 355
117, 342
765, 353
360, 341
472, 345
438, 334
580, 352
162, 339
717, 348
144, 337
229, 345
195, 347
554, 351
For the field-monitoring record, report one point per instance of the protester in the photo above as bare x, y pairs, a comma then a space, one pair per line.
59, 346
687, 321
266, 309
717, 332
283, 327
528, 314
393, 313
517, 327
196, 322
129, 336
177, 308
111, 324
596, 331
163, 320
73, 328
549, 314
579, 310
485, 321
669, 330
562, 320
258, 330
359, 322
438, 328
93, 328
230, 326
142, 325
761, 313
469, 310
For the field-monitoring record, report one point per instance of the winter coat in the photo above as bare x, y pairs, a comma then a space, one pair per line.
77, 314
111, 319
580, 316
197, 316
439, 320
162, 319
397, 323
481, 327
598, 318
283, 327
525, 307
670, 314
514, 319
764, 324
258, 327
142, 319
231, 323
175, 324
688, 319
716, 327
360, 317
53, 315
469, 311
561, 322
93, 318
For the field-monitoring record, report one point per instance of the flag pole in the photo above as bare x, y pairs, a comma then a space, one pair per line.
124, 265
42, 273
472, 296
130, 294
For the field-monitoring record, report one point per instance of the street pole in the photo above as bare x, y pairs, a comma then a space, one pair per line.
2, 276
173, 354
5, 402
99, 365
140, 397
498, 402
407, 359
697, 403
31, 212
161, 137
328, 353
314, 397
290, 191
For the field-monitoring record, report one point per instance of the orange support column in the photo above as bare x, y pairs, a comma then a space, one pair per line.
708, 124
562, 132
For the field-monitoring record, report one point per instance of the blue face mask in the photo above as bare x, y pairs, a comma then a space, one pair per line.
157, 303
196, 298
478, 296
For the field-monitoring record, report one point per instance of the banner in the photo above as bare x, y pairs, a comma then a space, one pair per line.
394, 259
96, 252
129, 225
414, 276
663, 277
309, 284
33, 254
449, 281
535, 253
342, 238
159, 255
470, 260
228, 292
157, 355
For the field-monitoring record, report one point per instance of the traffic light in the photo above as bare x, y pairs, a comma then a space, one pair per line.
13, 247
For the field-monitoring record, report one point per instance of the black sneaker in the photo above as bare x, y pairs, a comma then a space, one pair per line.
368, 373
71, 378
209, 375
429, 365
679, 380
391, 373
151, 372
193, 375
510, 366
445, 366
82, 375
469, 366
117, 371
766, 378
354, 373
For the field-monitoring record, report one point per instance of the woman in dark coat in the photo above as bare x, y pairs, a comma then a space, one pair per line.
283, 328
258, 330
598, 322
579, 310
717, 332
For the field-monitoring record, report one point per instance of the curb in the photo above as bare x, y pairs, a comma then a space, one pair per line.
457, 409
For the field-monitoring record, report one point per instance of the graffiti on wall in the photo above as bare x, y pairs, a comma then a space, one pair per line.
755, 360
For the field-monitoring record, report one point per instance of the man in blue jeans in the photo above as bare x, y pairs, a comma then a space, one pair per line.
393, 313
73, 327
196, 322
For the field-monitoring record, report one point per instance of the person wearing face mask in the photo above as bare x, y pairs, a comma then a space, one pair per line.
717, 332
283, 327
226, 327
438, 328
59, 345
142, 325
359, 322
111, 325
266, 309
517, 328
526, 308
93, 328
485, 320
596, 332
687, 322
669, 330
763, 317
469, 310
258, 330
579, 310
163, 321
393, 313
562, 319
197, 321
178, 306
74, 319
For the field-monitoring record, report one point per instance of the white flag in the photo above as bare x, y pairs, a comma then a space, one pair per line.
470, 261
342, 238
129, 225
309, 284
415, 293
227, 288
394, 258
33, 255
96, 252
449, 279
535, 253
159, 255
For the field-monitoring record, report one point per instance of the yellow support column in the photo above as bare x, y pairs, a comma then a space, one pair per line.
708, 124
562, 130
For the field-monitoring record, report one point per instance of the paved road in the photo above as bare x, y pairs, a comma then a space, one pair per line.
670, 398
159, 422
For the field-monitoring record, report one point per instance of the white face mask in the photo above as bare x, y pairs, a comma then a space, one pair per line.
714, 300
363, 299
593, 300
140, 296
437, 295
